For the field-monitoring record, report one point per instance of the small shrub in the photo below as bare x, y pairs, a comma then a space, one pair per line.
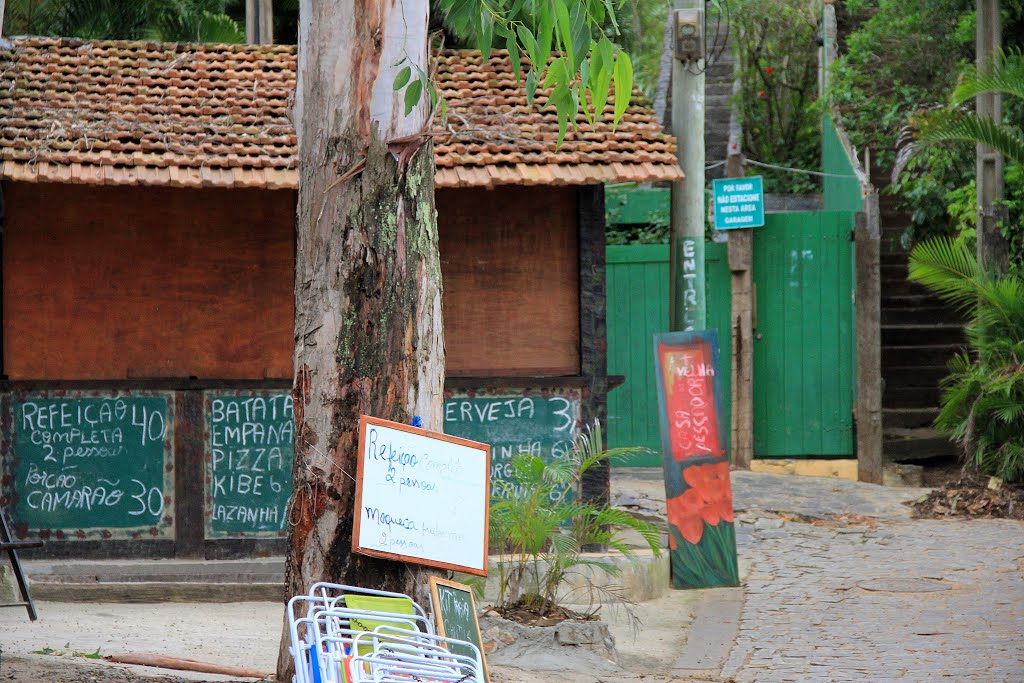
540, 522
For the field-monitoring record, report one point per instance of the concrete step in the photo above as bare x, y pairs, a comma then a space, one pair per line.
902, 287
908, 418
895, 397
923, 315
919, 376
898, 256
893, 271
166, 580
921, 299
921, 335
911, 356
916, 444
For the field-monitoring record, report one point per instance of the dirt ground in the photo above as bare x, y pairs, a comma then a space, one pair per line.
247, 634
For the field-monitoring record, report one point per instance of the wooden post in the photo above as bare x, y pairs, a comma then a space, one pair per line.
868, 409
741, 265
993, 250
259, 22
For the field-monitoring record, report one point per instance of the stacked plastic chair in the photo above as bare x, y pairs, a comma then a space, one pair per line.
347, 634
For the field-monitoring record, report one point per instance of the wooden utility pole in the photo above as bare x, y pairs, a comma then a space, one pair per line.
741, 265
993, 250
687, 298
259, 22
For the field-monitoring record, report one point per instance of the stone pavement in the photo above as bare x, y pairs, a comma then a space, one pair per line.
872, 596
840, 585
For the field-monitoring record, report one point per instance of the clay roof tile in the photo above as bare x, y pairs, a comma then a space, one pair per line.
128, 112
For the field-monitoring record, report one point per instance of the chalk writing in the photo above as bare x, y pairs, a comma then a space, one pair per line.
88, 465
543, 426
689, 399
251, 449
455, 612
421, 495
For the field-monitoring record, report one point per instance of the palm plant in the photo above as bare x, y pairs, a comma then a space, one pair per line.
541, 524
983, 397
954, 123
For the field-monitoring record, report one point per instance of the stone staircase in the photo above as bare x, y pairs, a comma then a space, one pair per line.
920, 333
717, 107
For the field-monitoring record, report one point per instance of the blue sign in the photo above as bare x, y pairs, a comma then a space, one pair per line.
739, 203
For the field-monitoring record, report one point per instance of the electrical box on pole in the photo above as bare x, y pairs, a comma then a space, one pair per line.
689, 35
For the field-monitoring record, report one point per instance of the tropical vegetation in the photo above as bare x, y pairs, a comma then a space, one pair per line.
983, 397
956, 123
542, 525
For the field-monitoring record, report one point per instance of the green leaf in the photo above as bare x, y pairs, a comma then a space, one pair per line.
485, 35
546, 36
513, 55
529, 43
412, 95
561, 100
579, 36
532, 81
564, 26
401, 78
584, 84
611, 15
601, 75
623, 85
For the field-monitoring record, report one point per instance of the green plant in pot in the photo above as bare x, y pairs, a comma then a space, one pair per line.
541, 525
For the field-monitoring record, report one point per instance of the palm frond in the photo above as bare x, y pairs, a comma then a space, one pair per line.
1004, 74
949, 269
959, 126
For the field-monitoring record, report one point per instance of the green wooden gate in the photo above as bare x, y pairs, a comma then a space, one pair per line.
637, 310
803, 353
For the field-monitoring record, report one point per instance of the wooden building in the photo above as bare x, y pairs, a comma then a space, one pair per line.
149, 198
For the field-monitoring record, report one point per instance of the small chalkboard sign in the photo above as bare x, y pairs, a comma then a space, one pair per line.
421, 497
92, 465
455, 613
249, 454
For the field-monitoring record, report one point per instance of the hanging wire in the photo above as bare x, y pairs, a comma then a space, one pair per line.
723, 15
790, 169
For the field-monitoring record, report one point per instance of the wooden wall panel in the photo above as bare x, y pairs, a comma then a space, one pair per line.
510, 264
112, 282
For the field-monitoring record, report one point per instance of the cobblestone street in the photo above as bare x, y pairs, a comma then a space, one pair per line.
869, 594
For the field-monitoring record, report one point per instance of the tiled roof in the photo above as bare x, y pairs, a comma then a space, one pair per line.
118, 112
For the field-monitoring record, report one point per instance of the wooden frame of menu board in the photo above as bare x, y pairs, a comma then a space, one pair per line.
421, 497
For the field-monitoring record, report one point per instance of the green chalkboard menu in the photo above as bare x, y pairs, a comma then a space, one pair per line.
541, 423
455, 614
92, 465
249, 453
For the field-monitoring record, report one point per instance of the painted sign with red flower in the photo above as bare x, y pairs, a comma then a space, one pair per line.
688, 377
702, 537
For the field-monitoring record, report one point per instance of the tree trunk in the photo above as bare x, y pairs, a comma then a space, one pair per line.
368, 336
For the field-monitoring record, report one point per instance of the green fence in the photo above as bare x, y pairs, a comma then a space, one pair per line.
803, 353
637, 310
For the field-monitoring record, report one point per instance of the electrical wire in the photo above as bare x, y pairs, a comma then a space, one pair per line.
790, 169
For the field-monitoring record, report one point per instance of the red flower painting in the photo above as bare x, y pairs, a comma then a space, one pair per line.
709, 499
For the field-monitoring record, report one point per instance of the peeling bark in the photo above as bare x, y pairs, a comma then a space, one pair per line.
368, 336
